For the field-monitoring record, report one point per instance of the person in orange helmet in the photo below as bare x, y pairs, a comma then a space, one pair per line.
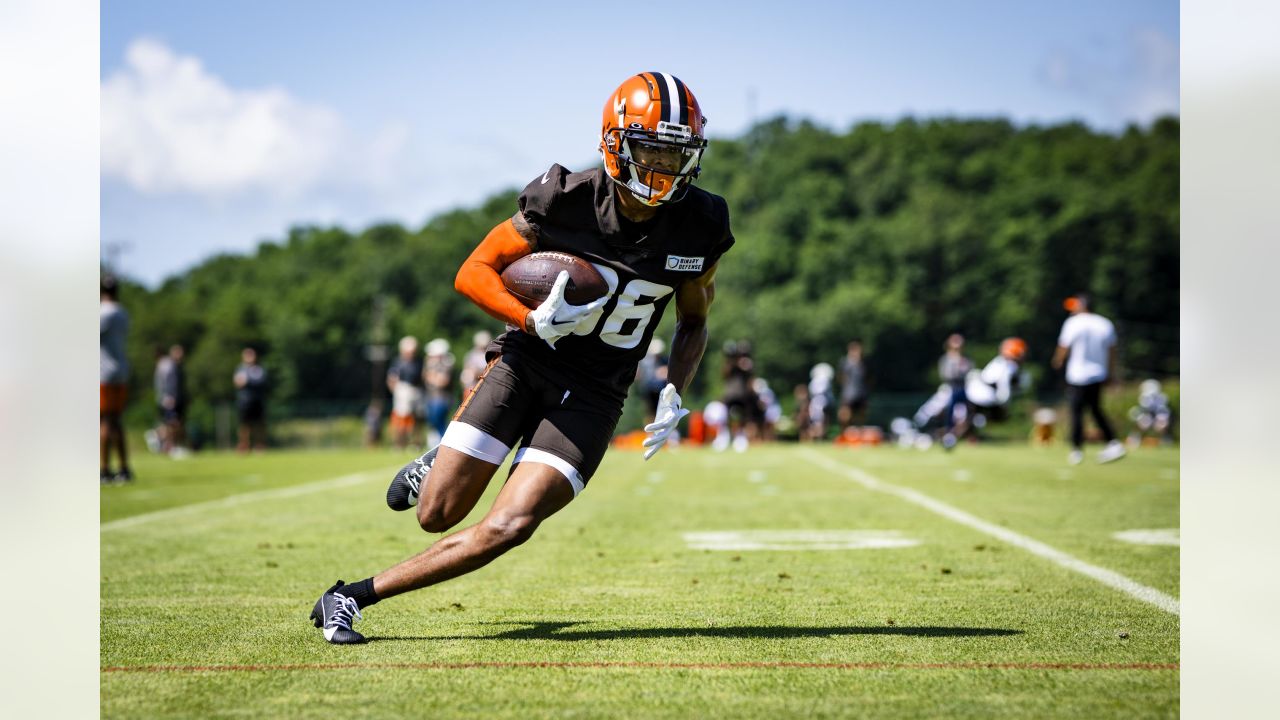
557, 378
994, 384
987, 391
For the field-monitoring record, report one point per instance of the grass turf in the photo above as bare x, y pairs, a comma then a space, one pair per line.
607, 612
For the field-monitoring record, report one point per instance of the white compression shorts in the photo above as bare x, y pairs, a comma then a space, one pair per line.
479, 444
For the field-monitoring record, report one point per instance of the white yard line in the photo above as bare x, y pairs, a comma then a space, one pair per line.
247, 498
797, 540
1164, 536
1106, 577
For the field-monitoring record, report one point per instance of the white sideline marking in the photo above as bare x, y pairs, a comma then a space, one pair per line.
1164, 536
1106, 577
245, 498
797, 540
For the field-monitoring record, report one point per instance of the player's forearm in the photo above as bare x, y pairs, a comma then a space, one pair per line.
687, 346
479, 277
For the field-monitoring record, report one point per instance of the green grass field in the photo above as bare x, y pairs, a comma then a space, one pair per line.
210, 567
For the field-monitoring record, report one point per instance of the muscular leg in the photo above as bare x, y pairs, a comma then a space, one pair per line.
452, 488
533, 493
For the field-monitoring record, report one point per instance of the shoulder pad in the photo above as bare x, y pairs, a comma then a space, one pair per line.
541, 194
557, 196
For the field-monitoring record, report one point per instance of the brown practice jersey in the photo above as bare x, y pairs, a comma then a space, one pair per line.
643, 264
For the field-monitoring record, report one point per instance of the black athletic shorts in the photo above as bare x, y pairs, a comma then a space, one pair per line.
541, 409
856, 404
744, 407
173, 414
251, 411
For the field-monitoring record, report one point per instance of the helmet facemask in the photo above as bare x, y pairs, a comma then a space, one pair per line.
655, 167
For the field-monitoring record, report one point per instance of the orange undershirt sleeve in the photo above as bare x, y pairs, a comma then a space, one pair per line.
480, 279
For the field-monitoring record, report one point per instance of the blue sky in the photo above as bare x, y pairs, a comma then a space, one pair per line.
224, 123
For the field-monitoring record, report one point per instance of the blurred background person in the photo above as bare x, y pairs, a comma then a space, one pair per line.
715, 419
822, 399
172, 398
988, 391
437, 375
157, 437
738, 371
1152, 417
404, 380
853, 387
770, 409
651, 377
251, 397
373, 424
113, 382
474, 362
953, 368
804, 426
1087, 344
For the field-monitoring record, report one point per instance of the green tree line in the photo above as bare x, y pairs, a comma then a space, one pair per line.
894, 233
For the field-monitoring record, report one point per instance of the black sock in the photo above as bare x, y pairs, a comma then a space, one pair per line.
362, 592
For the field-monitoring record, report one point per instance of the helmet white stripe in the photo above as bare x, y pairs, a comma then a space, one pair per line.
673, 107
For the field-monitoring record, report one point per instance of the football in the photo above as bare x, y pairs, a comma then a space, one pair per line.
530, 278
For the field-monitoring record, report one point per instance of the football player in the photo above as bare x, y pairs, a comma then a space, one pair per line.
557, 378
987, 391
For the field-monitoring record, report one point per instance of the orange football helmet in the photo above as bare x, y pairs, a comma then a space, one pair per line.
1014, 348
652, 137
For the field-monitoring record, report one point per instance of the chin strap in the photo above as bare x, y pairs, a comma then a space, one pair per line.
676, 196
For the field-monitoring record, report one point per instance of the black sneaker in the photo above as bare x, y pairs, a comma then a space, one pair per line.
123, 477
106, 477
403, 492
334, 612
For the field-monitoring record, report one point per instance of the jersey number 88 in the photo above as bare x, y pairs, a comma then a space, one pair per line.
626, 324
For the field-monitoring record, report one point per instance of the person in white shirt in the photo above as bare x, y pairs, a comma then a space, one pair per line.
1087, 344
474, 362
113, 382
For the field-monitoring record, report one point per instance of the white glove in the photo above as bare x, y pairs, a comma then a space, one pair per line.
664, 421
555, 318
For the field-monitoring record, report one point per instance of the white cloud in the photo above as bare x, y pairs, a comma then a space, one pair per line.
171, 126
1134, 79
